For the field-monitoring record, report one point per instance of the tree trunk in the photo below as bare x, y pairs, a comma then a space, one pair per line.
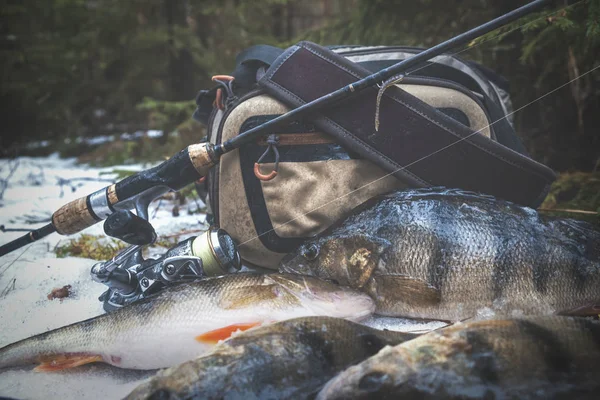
181, 64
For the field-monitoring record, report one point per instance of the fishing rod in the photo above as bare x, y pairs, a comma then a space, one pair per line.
194, 162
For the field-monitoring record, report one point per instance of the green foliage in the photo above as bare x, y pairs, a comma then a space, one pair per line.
165, 242
188, 192
166, 115
144, 150
77, 67
544, 32
102, 248
400, 22
572, 193
576, 190
90, 246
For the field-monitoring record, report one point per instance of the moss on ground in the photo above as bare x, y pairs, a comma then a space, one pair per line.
166, 115
103, 248
575, 191
98, 248
166, 242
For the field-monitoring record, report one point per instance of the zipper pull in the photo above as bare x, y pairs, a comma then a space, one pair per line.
272, 142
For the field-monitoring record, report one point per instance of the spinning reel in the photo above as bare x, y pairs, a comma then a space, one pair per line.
130, 277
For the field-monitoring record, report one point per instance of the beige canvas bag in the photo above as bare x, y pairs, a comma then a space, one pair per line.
317, 181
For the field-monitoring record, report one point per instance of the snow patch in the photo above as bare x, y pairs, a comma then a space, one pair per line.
29, 274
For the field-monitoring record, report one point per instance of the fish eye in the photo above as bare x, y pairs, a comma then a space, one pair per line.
311, 252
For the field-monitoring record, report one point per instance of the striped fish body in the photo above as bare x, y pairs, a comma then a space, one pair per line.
286, 360
538, 358
453, 255
185, 321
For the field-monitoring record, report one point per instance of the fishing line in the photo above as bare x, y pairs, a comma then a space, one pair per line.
427, 156
10, 263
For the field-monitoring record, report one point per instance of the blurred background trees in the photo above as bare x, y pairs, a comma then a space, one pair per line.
74, 68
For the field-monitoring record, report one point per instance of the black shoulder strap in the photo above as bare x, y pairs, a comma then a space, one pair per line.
250, 60
418, 144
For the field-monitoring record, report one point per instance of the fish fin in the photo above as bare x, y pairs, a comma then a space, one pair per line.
588, 310
409, 290
245, 296
58, 362
224, 333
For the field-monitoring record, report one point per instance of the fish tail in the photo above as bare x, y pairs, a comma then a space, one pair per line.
46, 348
17, 354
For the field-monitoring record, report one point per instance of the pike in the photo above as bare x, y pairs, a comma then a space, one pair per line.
529, 358
185, 321
452, 255
287, 360
195, 161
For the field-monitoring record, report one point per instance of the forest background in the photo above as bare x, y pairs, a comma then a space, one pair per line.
82, 68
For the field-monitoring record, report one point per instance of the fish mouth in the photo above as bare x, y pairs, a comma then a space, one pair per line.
364, 309
346, 303
287, 265
327, 299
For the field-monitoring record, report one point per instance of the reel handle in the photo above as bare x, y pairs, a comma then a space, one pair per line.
130, 228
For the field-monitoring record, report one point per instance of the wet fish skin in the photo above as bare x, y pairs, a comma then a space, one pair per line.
180, 323
453, 255
531, 358
287, 360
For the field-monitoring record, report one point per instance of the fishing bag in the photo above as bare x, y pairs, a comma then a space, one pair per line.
320, 173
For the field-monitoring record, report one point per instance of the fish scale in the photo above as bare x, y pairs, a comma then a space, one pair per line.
185, 321
452, 255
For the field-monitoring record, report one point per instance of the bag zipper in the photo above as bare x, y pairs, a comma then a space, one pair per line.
294, 139
473, 72
379, 50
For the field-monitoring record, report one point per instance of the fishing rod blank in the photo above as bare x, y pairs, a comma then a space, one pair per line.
378, 77
194, 162
24, 240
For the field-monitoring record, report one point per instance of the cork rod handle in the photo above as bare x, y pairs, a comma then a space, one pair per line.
190, 164
73, 217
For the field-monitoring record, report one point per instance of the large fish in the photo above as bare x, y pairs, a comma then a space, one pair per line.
287, 360
539, 358
186, 321
452, 255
